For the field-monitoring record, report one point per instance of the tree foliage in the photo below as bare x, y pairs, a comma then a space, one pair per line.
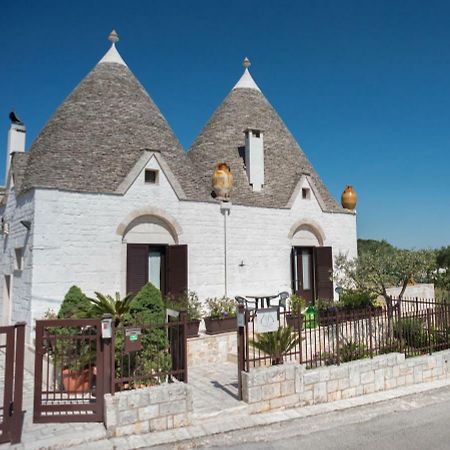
75, 305
375, 272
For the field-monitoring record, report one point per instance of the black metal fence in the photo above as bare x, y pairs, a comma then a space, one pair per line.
411, 326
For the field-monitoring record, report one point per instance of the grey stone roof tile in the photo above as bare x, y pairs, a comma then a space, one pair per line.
222, 140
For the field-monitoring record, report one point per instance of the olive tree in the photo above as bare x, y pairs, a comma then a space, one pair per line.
375, 272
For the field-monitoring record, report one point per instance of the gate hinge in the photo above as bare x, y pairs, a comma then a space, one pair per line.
11, 409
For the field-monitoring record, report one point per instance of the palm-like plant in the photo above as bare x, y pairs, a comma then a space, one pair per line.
116, 306
276, 343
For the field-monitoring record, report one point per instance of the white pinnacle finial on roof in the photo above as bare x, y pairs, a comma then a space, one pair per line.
246, 81
113, 37
112, 55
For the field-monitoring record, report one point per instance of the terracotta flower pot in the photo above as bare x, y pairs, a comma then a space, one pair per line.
222, 182
192, 328
349, 198
77, 380
216, 326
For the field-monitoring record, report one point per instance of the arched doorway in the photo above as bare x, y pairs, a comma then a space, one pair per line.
153, 253
311, 262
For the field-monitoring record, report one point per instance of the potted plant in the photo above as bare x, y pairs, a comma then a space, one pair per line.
276, 343
221, 315
74, 357
190, 303
294, 318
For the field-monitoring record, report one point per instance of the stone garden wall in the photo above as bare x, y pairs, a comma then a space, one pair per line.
155, 408
211, 349
291, 385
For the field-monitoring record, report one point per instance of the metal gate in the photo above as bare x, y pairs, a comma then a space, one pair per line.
11, 362
69, 371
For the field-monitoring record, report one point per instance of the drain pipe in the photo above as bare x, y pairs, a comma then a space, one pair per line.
225, 209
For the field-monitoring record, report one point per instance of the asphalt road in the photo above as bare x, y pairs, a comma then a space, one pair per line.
420, 421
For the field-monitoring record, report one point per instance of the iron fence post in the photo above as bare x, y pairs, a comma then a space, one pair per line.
17, 413
241, 346
430, 341
338, 356
107, 348
183, 320
370, 332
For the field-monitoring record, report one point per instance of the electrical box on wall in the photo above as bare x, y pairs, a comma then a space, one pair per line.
106, 328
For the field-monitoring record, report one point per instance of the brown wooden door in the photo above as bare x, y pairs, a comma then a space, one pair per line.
137, 267
176, 267
323, 257
305, 273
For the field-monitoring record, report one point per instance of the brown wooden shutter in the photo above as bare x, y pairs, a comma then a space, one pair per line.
176, 269
323, 257
294, 281
137, 267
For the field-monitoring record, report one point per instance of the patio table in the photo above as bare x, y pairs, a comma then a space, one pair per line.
261, 297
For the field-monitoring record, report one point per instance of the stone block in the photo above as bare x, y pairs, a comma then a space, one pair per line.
311, 377
332, 386
354, 376
334, 396
344, 383
136, 428
390, 384
306, 396
254, 394
159, 394
418, 374
148, 412
368, 388
138, 398
324, 374
287, 387
349, 393
284, 402
320, 392
379, 379
409, 379
427, 375
271, 391
158, 424
339, 372
181, 420
127, 417
172, 407
110, 417
367, 377
401, 381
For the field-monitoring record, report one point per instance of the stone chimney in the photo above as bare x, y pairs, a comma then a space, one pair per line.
254, 158
16, 141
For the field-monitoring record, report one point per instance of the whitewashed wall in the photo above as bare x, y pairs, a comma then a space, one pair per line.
76, 241
13, 212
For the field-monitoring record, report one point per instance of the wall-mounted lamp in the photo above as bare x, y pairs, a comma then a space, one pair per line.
26, 224
241, 264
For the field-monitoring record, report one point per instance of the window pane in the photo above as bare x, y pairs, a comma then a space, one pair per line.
154, 268
306, 269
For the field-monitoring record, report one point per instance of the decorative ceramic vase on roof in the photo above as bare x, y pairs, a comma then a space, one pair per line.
222, 182
349, 198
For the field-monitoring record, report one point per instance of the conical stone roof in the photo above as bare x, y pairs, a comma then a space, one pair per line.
223, 140
100, 131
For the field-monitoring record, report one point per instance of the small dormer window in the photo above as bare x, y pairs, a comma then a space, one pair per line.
151, 176
306, 193
18, 263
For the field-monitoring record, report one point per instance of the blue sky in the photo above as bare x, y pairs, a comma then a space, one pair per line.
364, 86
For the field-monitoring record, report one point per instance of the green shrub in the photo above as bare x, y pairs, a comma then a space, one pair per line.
221, 308
324, 305
412, 332
75, 305
352, 299
351, 351
147, 307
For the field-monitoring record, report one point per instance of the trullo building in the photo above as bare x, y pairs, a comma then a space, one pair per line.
107, 199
